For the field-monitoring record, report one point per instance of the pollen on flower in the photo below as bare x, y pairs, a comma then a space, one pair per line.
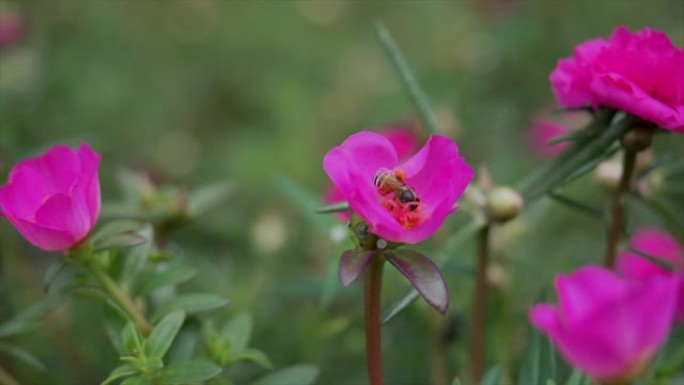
408, 215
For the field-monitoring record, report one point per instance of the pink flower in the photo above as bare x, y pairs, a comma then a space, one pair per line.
54, 200
641, 73
607, 326
11, 28
544, 130
411, 199
404, 142
659, 244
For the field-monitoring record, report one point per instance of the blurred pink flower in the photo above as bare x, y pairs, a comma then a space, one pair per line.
404, 141
607, 326
541, 132
437, 175
641, 73
11, 28
54, 200
659, 244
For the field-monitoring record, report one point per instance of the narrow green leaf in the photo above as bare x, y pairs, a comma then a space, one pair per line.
51, 273
539, 360
575, 205
136, 259
161, 338
578, 378
136, 381
254, 355
297, 374
408, 79
120, 372
569, 137
188, 372
307, 202
653, 259
192, 303
492, 377
333, 208
130, 340
172, 276
238, 331
22, 355
207, 197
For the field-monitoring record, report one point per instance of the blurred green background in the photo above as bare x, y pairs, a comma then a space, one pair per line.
255, 93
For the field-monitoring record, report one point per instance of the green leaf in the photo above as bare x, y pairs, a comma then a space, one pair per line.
161, 338
52, 273
22, 355
131, 340
408, 79
24, 321
172, 276
578, 378
238, 331
254, 355
333, 208
119, 234
136, 381
492, 377
192, 303
188, 372
120, 372
298, 374
207, 197
97, 294
539, 360
136, 259
575, 205
456, 381
307, 203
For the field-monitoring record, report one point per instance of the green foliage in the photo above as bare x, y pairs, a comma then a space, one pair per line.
298, 374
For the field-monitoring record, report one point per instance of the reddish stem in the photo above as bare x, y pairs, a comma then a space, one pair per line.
477, 336
373, 284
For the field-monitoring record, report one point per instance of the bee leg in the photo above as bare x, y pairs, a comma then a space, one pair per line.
413, 206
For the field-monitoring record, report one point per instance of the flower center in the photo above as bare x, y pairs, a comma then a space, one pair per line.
399, 198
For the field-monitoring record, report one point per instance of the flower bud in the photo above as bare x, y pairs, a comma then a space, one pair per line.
637, 139
504, 203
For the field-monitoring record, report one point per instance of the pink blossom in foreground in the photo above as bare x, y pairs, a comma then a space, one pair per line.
607, 326
641, 73
404, 141
54, 200
659, 244
541, 132
437, 175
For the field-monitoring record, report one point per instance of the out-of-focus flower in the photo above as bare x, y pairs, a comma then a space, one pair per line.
401, 202
641, 73
607, 326
11, 27
54, 200
541, 132
405, 143
658, 244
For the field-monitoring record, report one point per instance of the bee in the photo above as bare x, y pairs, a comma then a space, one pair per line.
389, 181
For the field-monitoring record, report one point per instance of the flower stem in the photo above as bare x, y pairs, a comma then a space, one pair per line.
477, 335
121, 299
373, 285
617, 217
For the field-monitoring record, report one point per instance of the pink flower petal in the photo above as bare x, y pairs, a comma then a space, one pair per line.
43, 237
61, 212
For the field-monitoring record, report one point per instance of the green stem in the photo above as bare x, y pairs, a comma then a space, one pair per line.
121, 299
408, 79
617, 217
373, 285
477, 335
